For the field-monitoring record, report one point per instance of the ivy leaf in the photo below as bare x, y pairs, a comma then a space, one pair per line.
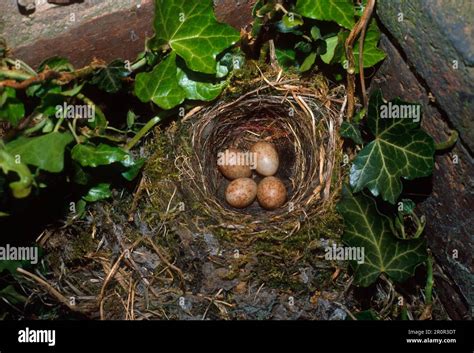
285, 57
22, 187
45, 152
370, 230
408, 207
134, 170
99, 192
400, 149
12, 296
340, 11
56, 63
109, 79
161, 85
351, 131
292, 20
55, 97
366, 315
229, 62
191, 30
11, 108
198, 90
304, 47
315, 33
92, 156
42, 89
331, 44
308, 62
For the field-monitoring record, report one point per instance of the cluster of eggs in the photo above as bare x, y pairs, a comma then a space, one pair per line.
243, 190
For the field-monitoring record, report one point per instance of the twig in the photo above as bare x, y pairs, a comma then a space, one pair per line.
60, 78
361, 55
27, 80
358, 28
53, 291
169, 264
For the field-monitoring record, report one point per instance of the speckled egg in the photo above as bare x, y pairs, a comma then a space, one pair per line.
241, 192
267, 160
271, 193
233, 165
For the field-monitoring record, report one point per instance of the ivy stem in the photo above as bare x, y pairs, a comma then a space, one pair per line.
281, 8
450, 142
429, 280
25, 66
71, 128
144, 130
138, 64
355, 32
15, 75
420, 224
58, 124
111, 128
35, 128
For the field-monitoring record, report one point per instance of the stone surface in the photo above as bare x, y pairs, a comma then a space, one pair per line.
104, 29
436, 35
449, 206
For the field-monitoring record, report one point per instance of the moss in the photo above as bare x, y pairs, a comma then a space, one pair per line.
82, 245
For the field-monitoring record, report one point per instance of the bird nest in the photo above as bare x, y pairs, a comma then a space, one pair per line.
300, 118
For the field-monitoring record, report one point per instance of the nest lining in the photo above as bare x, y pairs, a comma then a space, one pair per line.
300, 120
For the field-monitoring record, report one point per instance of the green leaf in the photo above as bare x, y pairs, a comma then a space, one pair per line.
191, 30
161, 85
331, 44
370, 230
304, 47
286, 57
198, 90
22, 187
340, 11
366, 315
100, 121
54, 97
291, 20
408, 206
400, 149
80, 176
131, 118
257, 26
41, 89
372, 54
109, 79
11, 108
45, 152
315, 33
351, 131
134, 170
92, 156
56, 63
12, 296
99, 192
228, 62
308, 62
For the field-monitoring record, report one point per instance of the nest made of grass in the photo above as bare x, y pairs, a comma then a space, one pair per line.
301, 119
